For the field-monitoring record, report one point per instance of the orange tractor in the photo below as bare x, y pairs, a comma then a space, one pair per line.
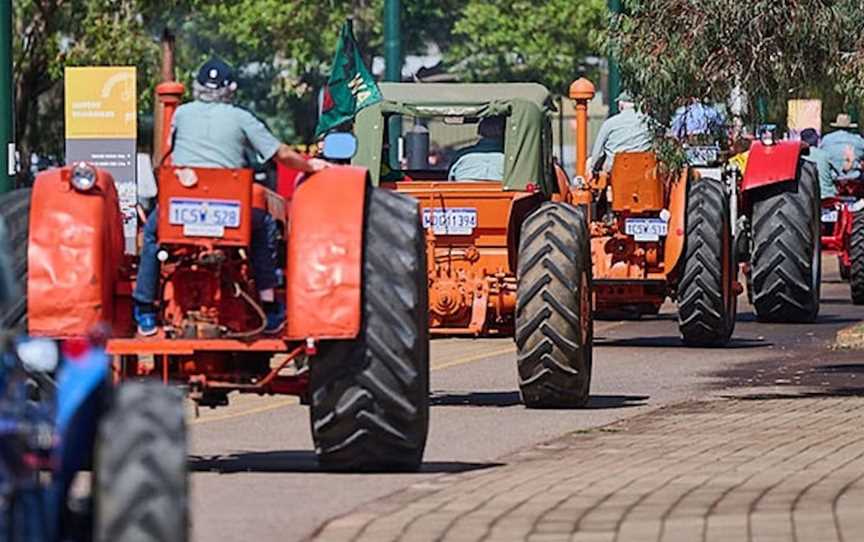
355, 342
507, 251
658, 234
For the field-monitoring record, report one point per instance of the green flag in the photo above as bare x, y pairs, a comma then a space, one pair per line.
350, 87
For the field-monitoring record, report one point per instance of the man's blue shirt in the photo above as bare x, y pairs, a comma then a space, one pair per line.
840, 145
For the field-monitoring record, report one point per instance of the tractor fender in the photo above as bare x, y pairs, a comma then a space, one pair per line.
325, 255
675, 236
74, 254
771, 164
523, 205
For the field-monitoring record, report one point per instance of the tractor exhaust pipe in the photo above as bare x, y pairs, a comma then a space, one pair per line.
581, 92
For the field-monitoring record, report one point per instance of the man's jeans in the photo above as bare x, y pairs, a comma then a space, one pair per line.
262, 252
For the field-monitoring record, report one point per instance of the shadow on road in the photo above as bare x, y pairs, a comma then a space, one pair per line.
511, 398
675, 342
835, 301
287, 461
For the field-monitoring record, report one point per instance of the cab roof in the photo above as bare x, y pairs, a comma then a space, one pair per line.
448, 94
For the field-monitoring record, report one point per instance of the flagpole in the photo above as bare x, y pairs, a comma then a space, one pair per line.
393, 68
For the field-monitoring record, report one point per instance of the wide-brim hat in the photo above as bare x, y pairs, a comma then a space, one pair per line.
844, 121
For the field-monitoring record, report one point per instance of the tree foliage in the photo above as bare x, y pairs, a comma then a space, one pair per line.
503, 40
672, 50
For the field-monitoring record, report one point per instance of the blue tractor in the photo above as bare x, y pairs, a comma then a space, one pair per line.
83, 459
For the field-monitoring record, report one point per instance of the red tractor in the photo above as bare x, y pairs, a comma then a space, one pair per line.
843, 230
777, 198
355, 342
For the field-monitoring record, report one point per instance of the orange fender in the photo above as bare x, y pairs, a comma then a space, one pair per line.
325, 255
677, 222
74, 254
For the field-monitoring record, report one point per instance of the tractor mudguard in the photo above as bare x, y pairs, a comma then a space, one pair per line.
677, 222
771, 164
523, 205
325, 255
74, 255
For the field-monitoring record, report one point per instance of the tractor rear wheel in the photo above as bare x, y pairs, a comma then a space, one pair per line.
554, 327
706, 295
786, 261
856, 255
370, 396
141, 487
15, 212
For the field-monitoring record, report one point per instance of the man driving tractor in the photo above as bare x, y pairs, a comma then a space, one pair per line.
483, 161
212, 132
625, 132
844, 146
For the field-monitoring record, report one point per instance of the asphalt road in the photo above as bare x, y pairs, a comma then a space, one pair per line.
255, 474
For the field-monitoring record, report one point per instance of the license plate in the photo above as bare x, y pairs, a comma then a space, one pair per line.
204, 217
450, 221
829, 215
645, 229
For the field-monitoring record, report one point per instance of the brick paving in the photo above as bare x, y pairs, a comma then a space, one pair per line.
759, 467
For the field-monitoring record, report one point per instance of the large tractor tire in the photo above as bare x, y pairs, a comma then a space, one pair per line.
707, 302
856, 256
370, 396
141, 484
554, 327
15, 213
786, 262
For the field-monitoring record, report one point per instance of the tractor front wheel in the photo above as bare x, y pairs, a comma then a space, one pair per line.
141, 490
706, 296
856, 256
370, 396
554, 327
786, 261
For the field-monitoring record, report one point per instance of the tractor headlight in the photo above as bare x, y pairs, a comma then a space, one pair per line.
83, 176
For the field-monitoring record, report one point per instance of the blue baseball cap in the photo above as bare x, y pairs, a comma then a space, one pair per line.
215, 74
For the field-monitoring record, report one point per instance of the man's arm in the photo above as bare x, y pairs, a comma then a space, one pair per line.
599, 145
293, 160
266, 144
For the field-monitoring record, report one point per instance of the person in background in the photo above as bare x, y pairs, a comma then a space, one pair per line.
820, 158
484, 160
212, 132
695, 119
627, 131
844, 146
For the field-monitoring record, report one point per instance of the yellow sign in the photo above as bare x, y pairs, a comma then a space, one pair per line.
804, 114
101, 102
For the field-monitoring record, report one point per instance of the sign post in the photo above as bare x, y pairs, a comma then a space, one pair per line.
101, 129
7, 138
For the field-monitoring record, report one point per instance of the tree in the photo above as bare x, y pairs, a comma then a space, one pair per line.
672, 50
503, 40
52, 34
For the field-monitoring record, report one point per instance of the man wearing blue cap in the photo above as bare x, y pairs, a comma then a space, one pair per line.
211, 132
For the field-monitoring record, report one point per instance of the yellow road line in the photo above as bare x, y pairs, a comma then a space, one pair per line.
461, 361
257, 410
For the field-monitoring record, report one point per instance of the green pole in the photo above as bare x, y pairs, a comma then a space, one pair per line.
614, 69
392, 41
393, 69
7, 137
